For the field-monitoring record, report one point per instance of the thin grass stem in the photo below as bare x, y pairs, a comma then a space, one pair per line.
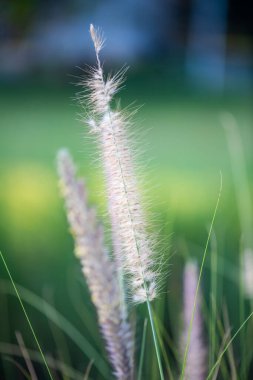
150, 314
163, 350
231, 357
26, 316
228, 344
182, 376
242, 312
143, 343
213, 299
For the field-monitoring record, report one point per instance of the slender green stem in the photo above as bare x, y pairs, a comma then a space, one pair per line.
182, 376
228, 344
150, 314
26, 316
142, 349
213, 300
242, 311
164, 334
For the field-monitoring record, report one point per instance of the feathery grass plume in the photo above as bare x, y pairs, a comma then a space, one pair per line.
99, 270
195, 368
247, 274
132, 246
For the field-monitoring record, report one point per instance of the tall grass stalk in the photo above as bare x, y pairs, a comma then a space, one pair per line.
134, 249
129, 226
182, 376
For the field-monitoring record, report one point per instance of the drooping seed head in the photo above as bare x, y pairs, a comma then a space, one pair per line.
99, 271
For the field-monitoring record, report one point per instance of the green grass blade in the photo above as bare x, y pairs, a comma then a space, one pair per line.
213, 300
26, 316
143, 343
55, 364
199, 279
151, 318
163, 349
60, 321
228, 344
231, 356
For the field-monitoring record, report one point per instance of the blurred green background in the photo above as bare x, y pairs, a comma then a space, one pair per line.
185, 149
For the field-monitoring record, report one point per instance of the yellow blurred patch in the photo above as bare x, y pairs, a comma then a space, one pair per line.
28, 193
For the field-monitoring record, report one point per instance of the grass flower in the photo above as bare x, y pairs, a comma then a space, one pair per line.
195, 367
98, 269
132, 247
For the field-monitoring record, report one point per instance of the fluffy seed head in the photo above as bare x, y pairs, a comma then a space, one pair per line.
133, 247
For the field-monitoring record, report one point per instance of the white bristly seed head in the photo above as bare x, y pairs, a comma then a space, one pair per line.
132, 246
100, 272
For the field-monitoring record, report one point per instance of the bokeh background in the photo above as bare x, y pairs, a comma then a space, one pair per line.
191, 69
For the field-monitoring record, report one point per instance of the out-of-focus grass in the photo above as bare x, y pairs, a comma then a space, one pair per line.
185, 141
187, 146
